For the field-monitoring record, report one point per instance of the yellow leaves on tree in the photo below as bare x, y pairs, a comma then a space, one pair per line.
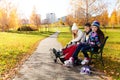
69, 20
104, 18
8, 16
113, 18
13, 20
35, 19
3, 20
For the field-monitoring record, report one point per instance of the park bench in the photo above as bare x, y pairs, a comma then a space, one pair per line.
98, 54
93, 54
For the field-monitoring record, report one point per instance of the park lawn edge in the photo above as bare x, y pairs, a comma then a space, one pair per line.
12, 72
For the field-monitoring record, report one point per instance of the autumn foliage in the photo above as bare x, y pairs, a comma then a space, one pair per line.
81, 11
89, 10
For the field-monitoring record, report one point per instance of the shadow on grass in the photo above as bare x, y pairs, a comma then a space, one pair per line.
44, 33
111, 68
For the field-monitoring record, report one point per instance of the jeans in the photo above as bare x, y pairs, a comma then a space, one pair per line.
83, 48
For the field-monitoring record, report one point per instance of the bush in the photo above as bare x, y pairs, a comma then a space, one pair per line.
25, 28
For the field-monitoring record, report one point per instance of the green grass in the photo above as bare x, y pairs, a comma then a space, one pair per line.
111, 53
14, 46
65, 35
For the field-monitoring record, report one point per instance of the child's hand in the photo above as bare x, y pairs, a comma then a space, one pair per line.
98, 45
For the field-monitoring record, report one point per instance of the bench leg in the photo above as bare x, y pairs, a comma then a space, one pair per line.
90, 58
101, 58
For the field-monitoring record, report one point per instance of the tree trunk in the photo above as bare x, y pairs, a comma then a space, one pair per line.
87, 11
3, 29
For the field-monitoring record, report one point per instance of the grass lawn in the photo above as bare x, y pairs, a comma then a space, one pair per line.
14, 46
111, 54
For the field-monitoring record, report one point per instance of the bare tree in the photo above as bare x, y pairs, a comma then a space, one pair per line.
85, 9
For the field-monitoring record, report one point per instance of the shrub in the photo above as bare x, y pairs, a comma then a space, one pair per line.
25, 28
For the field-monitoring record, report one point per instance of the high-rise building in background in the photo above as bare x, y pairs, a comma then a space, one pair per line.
62, 18
51, 17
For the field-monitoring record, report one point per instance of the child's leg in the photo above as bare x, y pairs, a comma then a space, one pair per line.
62, 60
84, 50
67, 50
80, 46
86, 59
70, 52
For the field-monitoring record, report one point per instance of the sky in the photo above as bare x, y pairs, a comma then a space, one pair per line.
25, 7
59, 7
111, 6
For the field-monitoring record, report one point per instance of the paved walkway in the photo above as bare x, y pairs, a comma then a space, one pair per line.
40, 66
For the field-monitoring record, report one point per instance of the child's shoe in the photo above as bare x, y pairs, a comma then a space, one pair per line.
85, 61
69, 63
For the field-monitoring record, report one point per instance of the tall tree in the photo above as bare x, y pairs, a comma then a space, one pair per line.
118, 11
104, 18
3, 20
8, 15
35, 19
113, 18
85, 9
69, 20
13, 19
